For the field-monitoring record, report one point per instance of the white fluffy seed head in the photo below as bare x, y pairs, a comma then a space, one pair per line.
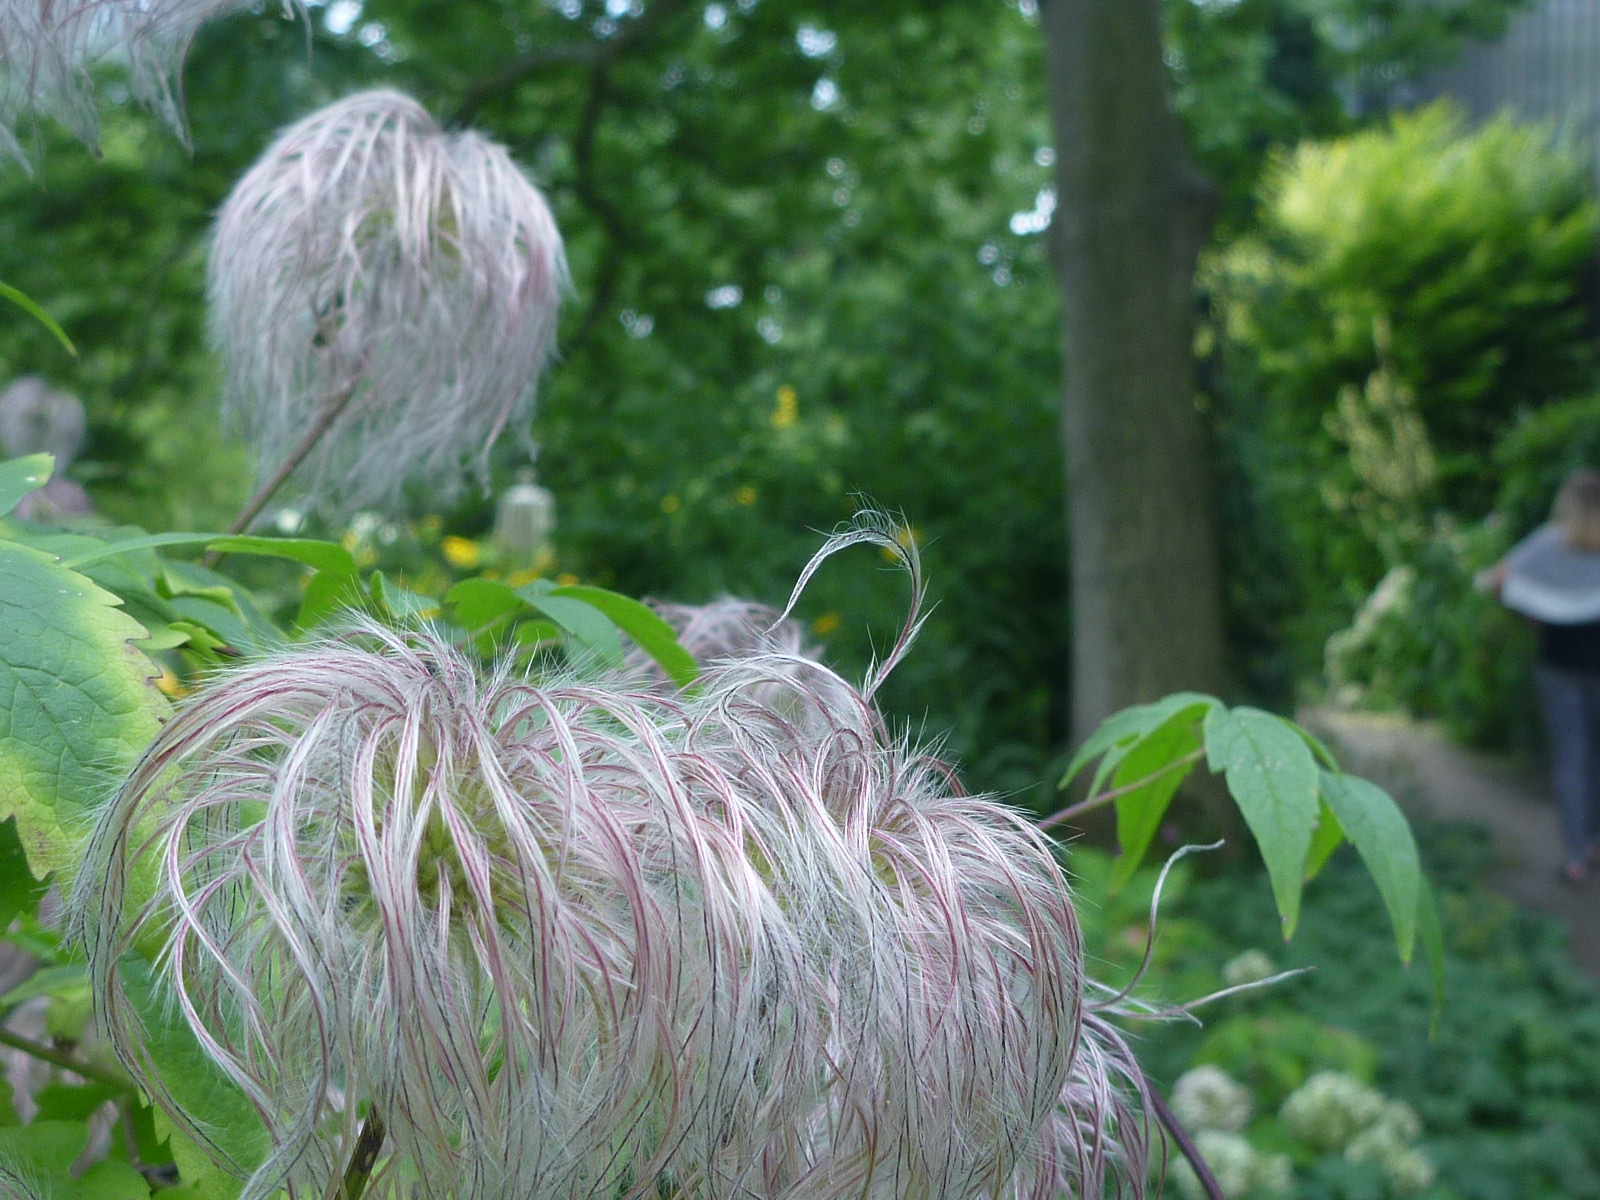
47, 48
593, 938
369, 253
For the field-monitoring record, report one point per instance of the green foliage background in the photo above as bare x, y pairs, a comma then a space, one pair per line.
853, 171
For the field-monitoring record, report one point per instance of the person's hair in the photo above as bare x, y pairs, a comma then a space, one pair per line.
1577, 511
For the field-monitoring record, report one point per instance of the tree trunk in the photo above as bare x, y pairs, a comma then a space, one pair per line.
1132, 216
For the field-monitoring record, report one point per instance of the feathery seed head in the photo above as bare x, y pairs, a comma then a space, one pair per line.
372, 256
47, 48
581, 938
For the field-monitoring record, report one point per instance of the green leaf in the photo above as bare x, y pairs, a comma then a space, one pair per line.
649, 632
76, 704
327, 594
234, 1141
1121, 728
19, 476
479, 604
22, 301
399, 601
589, 627
319, 555
19, 890
1139, 811
49, 981
1381, 835
1273, 778
1328, 838
72, 1102
43, 1152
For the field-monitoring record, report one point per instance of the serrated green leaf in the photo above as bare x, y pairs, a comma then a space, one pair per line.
1328, 838
649, 632
1273, 778
43, 1150
233, 1134
1139, 811
76, 704
19, 476
1381, 835
28, 305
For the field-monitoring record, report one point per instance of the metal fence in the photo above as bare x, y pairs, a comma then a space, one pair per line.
1547, 67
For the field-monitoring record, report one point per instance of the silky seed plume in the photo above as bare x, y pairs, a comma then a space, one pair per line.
396, 283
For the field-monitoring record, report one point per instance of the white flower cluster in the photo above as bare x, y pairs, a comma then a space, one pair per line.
1209, 1098
1336, 1112
1214, 1106
1239, 1169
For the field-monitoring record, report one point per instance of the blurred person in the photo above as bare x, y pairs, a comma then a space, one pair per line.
1552, 577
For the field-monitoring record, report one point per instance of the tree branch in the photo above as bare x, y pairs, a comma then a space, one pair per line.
593, 54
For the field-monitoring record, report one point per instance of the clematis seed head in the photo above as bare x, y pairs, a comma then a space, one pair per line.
47, 48
408, 278
589, 936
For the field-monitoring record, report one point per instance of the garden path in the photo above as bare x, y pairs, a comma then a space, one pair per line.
1431, 776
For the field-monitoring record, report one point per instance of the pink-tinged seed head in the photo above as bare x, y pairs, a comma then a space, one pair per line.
583, 937
47, 48
370, 254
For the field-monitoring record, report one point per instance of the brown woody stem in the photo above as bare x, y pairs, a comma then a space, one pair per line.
330, 413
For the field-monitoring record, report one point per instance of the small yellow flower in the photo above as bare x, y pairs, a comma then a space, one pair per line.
461, 553
825, 624
566, 579
745, 495
787, 411
170, 685
670, 504
524, 576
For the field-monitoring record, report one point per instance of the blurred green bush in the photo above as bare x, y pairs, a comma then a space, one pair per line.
1399, 348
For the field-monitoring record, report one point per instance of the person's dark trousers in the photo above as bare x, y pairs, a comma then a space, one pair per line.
1571, 702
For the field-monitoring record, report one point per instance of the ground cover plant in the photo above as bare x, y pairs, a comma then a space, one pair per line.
1502, 1085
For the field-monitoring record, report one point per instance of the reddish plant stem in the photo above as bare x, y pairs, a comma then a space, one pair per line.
1103, 798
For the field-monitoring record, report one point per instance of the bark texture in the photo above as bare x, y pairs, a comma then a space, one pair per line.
1133, 214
